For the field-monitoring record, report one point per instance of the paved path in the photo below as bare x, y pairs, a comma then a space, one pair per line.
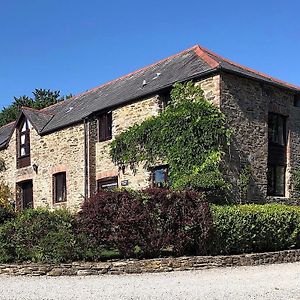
260, 282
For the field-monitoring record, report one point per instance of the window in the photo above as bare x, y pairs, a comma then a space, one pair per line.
276, 155
276, 180
297, 100
277, 128
59, 187
105, 127
108, 183
159, 176
23, 144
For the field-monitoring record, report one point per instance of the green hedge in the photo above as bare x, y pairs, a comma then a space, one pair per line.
255, 228
39, 236
56, 236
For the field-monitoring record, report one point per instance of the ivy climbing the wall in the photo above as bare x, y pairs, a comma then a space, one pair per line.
189, 135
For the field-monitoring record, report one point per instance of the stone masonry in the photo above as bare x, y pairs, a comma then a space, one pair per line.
76, 150
246, 104
131, 266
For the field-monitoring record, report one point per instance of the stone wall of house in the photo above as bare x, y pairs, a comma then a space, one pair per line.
246, 104
123, 118
61, 151
135, 113
8, 155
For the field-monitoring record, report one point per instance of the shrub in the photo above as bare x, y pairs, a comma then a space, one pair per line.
109, 220
255, 228
178, 221
40, 236
146, 223
6, 210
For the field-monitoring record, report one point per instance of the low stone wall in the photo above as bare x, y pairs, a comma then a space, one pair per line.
150, 265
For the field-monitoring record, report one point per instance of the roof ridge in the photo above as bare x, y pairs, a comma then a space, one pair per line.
8, 124
136, 71
201, 52
37, 110
58, 103
251, 70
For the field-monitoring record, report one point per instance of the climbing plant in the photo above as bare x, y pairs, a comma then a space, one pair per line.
189, 135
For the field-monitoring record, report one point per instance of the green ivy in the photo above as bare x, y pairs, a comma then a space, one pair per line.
189, 135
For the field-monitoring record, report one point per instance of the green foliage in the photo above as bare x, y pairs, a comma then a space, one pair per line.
39, 236
5, 195
41, 99
255, 228
6, 209
296, 180
189, 136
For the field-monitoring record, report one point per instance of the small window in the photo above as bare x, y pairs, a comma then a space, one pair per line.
276, 180
59, 188
159, 176
297, 100
105, 127
277, 129
108, 183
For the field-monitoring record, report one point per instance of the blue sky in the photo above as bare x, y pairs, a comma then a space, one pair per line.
73, 46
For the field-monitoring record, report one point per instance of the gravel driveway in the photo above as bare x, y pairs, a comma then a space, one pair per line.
259, 282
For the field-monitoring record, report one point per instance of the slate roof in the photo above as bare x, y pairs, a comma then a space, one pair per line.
191, 63
5, 133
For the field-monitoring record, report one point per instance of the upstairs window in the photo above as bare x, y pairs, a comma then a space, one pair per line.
109, 183
105, 127
159, 177
297, 100
277, 155
277, 129
23, 144
59, 187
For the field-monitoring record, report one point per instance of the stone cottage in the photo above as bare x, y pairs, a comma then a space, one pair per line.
60, 155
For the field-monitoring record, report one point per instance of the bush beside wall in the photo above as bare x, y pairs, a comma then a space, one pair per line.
255, 228
148, 223
151, 223
39, 236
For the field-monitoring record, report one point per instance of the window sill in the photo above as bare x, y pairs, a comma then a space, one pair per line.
60, 203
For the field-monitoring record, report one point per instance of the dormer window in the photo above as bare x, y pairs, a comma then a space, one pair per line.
23, 144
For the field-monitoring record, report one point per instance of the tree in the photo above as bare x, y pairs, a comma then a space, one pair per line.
189, 135
41, 98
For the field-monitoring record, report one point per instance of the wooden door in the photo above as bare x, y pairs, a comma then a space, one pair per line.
27, 194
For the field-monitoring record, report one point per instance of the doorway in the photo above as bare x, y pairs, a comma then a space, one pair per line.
25, 195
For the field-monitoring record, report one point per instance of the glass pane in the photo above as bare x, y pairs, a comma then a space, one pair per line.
271, 183
160, 177
280, 180
60, 186
109, 185
24, 127
23, 139
276, 129
280, 133
23, 151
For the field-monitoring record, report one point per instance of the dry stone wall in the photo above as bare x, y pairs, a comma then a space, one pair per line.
155, 265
